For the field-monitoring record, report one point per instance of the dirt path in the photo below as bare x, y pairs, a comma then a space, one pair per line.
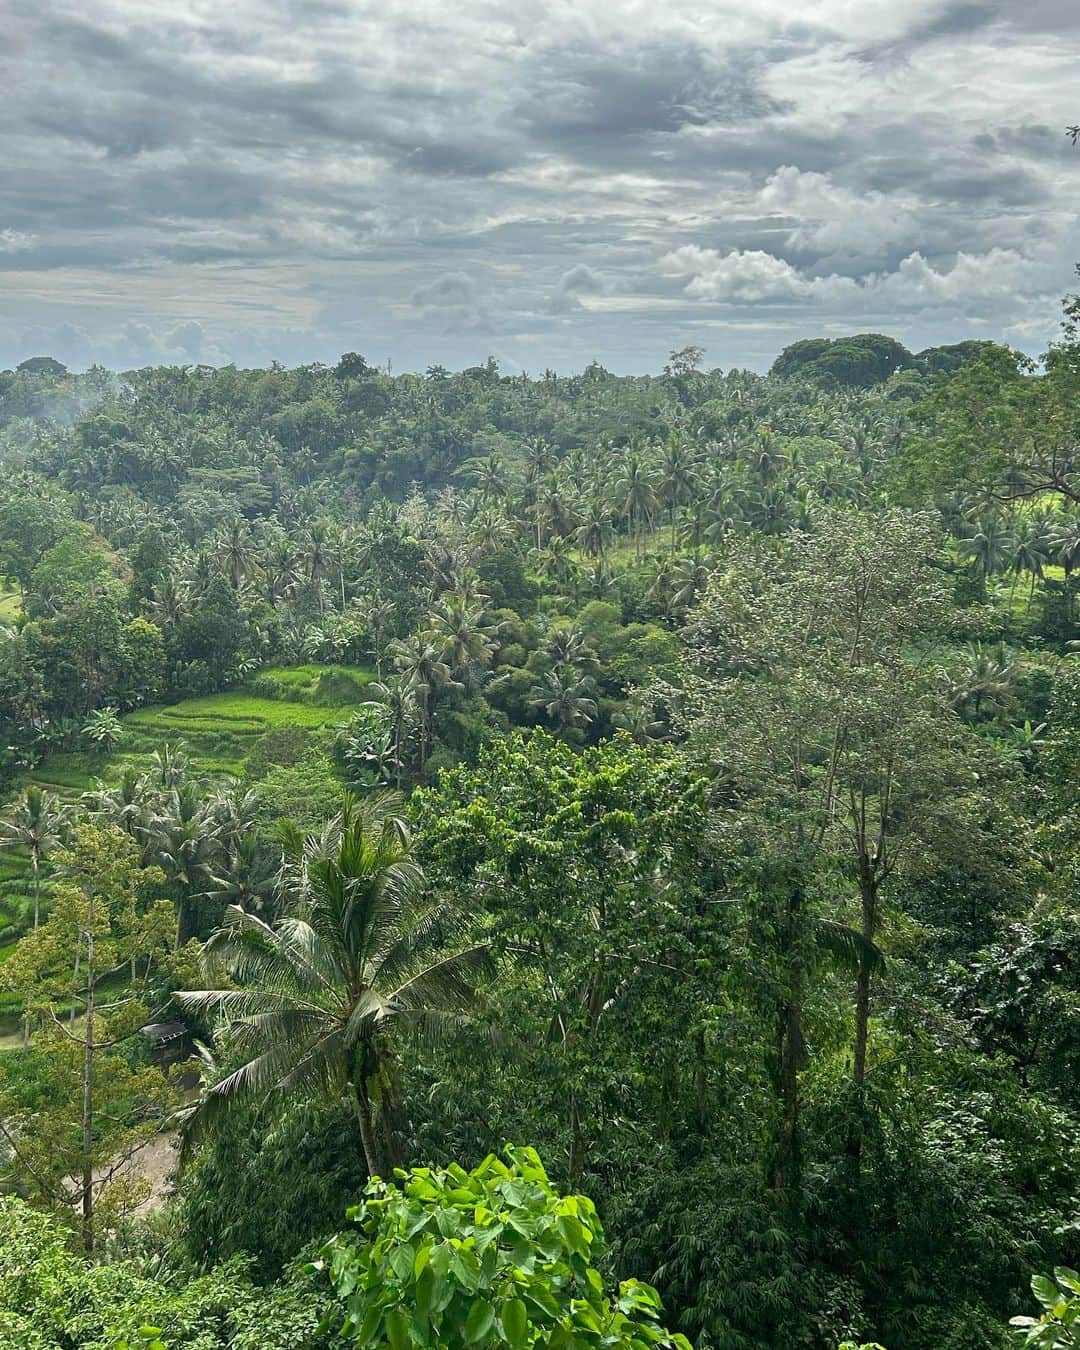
154, 1162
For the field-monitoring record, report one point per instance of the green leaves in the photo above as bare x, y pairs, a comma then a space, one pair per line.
491, 1257
514, 1322
1059, 1326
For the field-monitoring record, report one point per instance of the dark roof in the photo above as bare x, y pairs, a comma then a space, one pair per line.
163, 1031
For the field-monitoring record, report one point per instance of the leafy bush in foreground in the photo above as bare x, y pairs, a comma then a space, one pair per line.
491, 1257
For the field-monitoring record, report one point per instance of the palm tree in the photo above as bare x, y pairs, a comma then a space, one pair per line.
421, 666
568, 647
595, 532
1065, 541
554, 562
1032, 551
563, 696
184, 838
167, 605
638, 723
491, 477
316, 555
36, 822
379, 615
247, 876
635, 497
985, 680
689, 577
237, 553
457, 624
128, 804
281, 568
678, 475
990, 546
539, 458
398, 699
324, 995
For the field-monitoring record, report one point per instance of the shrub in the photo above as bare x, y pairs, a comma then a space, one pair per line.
491, 1257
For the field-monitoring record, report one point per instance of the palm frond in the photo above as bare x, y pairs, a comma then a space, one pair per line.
847, 946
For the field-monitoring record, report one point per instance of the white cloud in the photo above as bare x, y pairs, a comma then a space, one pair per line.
15, 241
831, 219
971, 284
745, 275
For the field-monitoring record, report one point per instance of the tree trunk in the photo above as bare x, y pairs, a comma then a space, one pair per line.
790, 1053
367, 1132
88, 1094
868, 898
789, 1171
862, 983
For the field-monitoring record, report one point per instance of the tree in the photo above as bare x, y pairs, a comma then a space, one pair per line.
564, 698
323, 995
841, 752
488, 1258
104, 920
104, 729
423, 669
594, 868
38, 823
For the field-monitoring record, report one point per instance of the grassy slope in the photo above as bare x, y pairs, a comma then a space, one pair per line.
217, 733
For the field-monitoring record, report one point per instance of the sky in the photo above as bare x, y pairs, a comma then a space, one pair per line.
549, 181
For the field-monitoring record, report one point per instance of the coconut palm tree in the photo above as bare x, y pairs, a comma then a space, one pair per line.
985, 680
183, 837
167, 604
458, 626
1032, 551
595, 532
678, 476
379, 614
420, 664
568, 647
990, 546
564, 697
247, 875
129, 804
281, 568
37, 822
325, 995
316, 548
1065, 541
635, 496
397, 698
237, 554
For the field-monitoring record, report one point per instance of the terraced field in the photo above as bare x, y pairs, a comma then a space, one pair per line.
10, 601
217, 733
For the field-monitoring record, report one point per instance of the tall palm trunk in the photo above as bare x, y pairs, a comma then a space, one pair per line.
372, 1152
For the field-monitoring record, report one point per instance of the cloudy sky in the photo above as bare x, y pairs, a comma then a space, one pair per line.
549, 181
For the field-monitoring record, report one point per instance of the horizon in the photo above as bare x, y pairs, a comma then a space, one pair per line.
533, 375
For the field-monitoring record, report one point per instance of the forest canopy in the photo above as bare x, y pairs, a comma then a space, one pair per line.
574, 860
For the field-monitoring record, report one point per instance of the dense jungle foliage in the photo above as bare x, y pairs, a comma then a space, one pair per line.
672, 779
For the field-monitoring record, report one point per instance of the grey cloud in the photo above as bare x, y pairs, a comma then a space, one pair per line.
578, 281
239, 170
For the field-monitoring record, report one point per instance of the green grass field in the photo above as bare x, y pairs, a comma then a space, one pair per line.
10, 601
217, 733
